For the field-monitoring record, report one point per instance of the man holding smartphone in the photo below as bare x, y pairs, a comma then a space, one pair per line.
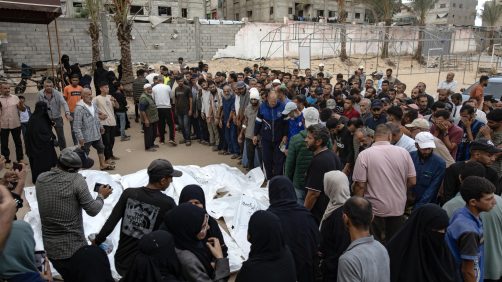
62, 193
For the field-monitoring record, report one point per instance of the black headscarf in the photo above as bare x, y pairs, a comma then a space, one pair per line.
301, 233
195, 192
39, 141
185, 222
418, 253
156, 260
269, 258
90, 264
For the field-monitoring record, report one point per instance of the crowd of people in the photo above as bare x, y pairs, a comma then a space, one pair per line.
367, 181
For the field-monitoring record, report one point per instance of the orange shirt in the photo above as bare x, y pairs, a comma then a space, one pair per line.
72, 95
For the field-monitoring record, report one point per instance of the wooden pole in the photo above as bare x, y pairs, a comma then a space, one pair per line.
60, 74
50, 49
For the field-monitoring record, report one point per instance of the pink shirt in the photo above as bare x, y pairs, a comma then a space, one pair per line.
385, 168
9, 116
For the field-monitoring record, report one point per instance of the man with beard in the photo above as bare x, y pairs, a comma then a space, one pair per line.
421, 87
377, 117
470, 127
343, 143
430, 170
384, 92
477, 92
482, 151
211, 103
423, 106
348, 107
324, 160
247, 131
493, 131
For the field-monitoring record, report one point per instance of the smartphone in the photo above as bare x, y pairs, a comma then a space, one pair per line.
17, 166
96, 187
40, 260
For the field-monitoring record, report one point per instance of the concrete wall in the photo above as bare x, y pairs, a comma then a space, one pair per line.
29, 43
362, 40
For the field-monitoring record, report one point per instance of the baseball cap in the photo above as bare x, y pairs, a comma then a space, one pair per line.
276, 81
361, 67
376, 104
70, 158
331, 104
425, 140
321, 64
241, 84
486, 145
254, 94
161, 167
420, 123
290, 106
148, 85
311, 116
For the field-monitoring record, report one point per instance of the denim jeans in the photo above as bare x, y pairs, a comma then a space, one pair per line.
122, 121
184, 124
231, 139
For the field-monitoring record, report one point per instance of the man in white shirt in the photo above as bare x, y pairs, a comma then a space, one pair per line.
151, 74
449, 83
162, 96
401, 140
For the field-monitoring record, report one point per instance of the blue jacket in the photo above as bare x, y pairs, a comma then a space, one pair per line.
430, 174
270, 124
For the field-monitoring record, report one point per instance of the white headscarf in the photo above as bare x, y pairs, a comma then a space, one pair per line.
336, 187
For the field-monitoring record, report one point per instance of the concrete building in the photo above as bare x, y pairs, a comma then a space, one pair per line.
277, 10
453, 12
166, 8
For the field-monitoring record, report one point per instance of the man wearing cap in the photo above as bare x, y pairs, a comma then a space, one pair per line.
141, 210
326, 74
62, 194
429, 168
247, 131
483, 151
493, 131
88, 129
295, 119
149, 118
377, 116
271, 130
422, 125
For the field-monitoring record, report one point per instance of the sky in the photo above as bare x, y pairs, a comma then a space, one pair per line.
479, 7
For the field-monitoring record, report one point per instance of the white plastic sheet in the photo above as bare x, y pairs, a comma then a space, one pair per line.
230, 195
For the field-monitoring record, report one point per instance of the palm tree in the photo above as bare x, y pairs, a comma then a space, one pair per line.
123, 23
383, 10
421, 8
490, 15
93, 8
342, 17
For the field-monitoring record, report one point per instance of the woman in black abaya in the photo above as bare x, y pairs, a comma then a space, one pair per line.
270, 260
300, 229
195, 195
39, 141
418, 252
156, 260
201, 260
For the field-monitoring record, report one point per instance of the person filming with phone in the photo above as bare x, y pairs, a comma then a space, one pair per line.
62, 193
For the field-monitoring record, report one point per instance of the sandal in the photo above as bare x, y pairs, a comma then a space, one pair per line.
108, 167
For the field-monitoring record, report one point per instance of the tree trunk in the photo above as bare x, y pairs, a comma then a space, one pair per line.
491, 35
385, 47
94, 34
124, 38
343, 43
418, 53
